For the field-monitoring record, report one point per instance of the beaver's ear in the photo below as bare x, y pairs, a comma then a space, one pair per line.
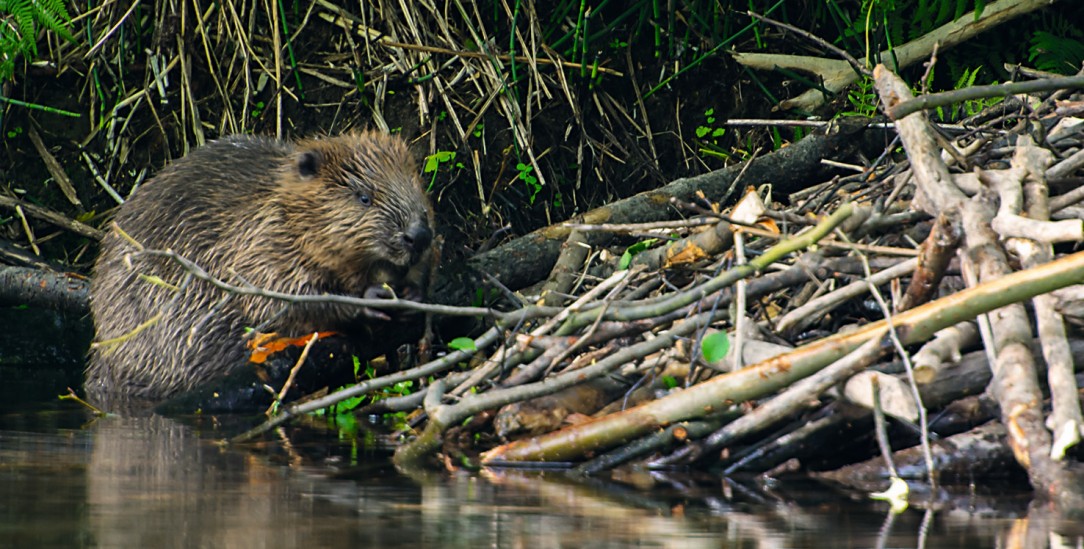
308, 164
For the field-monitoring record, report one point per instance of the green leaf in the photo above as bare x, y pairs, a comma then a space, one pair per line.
714, 347
701, 131
433, 161
626, 258
642, 245
462, 344
344, 407
669, 381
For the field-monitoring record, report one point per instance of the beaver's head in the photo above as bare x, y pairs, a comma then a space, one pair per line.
361, 210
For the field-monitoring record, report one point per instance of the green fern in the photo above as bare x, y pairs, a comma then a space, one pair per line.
10, 46
1058, 54
20, 21
862, 98
975, 106
54, 17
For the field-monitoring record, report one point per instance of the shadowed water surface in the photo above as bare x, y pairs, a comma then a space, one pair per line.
68, 480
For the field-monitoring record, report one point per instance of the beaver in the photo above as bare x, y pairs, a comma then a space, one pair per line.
341, 215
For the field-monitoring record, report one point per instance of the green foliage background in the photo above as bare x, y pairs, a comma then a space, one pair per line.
20, 23
583, 136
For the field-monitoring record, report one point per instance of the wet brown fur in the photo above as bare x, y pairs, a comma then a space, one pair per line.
283, 216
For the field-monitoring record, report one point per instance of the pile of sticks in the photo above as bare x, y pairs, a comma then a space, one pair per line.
883, 279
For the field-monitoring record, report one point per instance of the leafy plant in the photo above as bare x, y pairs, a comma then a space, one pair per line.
433, 163
708, 134
531, 181
339, 412
972, 107
20, 21
708, 129
862, 98
900, 20
1058, 54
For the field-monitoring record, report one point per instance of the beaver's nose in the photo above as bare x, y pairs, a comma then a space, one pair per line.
418, 237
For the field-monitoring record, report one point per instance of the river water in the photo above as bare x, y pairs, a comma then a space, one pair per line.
69, 479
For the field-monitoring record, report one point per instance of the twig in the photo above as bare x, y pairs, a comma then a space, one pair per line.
293, 374
943, 99
854, 63
52, 217
27, 230
55, 169
380, 303
478, 55
880, 428
923, 423
801, 317
679, 432
472, 404
934, 256
72, 396
699, 221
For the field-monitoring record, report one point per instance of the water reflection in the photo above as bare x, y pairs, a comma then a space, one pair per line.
68, 481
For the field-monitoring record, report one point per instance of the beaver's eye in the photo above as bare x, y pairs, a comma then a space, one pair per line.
365, 199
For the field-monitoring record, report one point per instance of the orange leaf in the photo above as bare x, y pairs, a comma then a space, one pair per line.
690, 253
769, 224
265, 345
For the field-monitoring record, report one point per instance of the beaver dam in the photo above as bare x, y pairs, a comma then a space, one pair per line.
877, 303
921, 313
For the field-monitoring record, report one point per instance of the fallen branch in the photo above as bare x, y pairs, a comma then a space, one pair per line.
835, 75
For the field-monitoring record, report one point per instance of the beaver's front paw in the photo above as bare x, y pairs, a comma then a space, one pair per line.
381, 291
377, 292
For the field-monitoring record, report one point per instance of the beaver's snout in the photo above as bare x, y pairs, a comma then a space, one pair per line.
417, 237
